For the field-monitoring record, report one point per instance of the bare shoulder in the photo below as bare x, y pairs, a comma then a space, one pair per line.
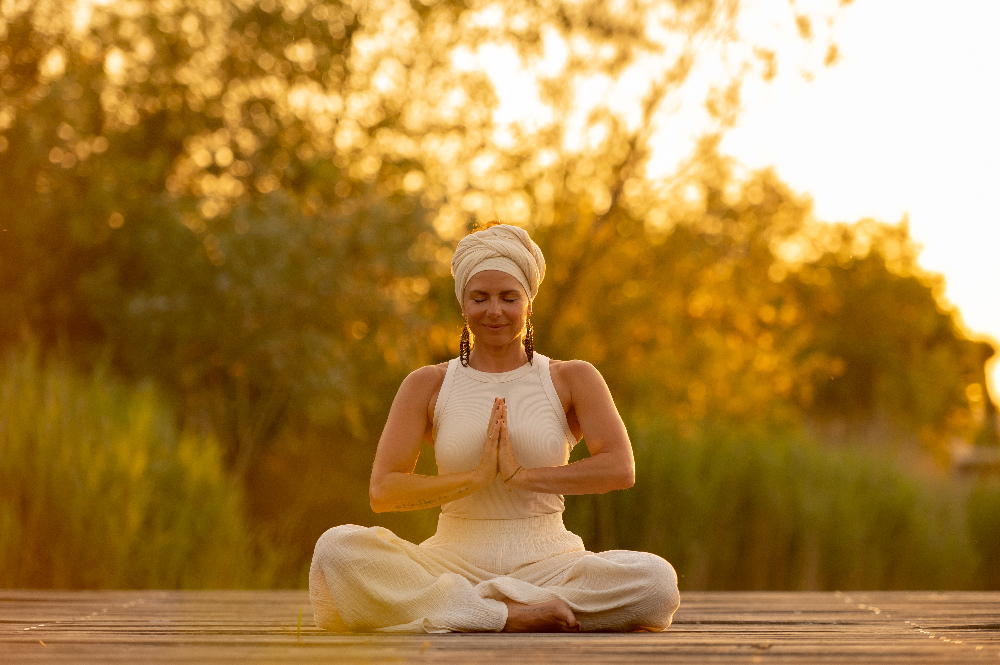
575, 374
575, 380
425, 381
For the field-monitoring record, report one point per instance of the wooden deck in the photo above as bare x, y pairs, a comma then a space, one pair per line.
711, 627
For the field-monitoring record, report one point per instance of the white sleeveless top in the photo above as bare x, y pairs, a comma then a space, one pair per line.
536, 424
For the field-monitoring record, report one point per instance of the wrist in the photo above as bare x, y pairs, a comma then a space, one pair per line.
482, 476
515, 479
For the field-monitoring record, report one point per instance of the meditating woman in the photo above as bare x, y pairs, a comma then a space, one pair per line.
502, 419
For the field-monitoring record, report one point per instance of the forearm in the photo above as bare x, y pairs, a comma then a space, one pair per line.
598, 474
397, 491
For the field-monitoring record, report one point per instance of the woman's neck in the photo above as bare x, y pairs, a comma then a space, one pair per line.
498, 359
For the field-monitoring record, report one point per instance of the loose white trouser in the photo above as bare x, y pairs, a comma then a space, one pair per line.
457, 579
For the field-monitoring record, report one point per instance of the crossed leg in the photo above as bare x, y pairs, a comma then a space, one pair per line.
552, 616
383, 582
618, 590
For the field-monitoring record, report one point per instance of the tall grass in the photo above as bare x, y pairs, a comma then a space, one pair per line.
781, 512
984, 527
98, 489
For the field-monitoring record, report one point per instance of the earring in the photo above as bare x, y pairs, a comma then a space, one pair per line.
529, 340
465, 346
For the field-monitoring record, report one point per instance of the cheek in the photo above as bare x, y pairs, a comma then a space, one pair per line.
517, 312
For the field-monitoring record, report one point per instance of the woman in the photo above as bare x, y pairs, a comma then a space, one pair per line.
503, 420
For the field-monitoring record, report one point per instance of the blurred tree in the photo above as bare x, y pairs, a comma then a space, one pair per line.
741, 310
249, 200
982, 402
253, 203
172, 199
896, 355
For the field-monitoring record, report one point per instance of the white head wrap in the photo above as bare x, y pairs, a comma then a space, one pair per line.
501, 247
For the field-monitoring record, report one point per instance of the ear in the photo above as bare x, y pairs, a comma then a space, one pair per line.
529, 308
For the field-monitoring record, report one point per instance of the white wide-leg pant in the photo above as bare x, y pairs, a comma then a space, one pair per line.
456, 580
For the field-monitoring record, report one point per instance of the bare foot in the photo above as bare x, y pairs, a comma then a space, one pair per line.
553, 616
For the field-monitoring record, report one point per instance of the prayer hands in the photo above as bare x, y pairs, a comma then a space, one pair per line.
509, 467
488, 467
498, 453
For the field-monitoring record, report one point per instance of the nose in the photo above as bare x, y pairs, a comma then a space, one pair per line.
494, 307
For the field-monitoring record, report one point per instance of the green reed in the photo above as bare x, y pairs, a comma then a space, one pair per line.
984, 528
782, 512
98, 489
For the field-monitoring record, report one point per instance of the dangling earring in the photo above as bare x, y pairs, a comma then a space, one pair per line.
465, 346
529, 340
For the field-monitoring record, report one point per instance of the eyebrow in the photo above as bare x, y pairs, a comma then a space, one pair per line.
503, 293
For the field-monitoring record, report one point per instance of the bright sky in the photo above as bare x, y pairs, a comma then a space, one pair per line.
907, 123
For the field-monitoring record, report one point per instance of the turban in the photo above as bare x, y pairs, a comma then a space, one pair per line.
500, 247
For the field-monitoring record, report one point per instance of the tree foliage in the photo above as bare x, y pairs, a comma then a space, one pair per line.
251, 201
253, 204
741, 309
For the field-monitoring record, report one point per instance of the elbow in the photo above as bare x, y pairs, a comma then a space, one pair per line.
617, 481
618, 474
625, 479
377, 500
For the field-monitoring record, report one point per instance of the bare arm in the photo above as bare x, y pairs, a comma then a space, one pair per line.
394, 486
611, 464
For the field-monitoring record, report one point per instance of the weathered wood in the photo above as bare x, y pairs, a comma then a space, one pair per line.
711, 627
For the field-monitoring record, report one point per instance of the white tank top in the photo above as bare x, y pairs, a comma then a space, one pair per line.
536, 424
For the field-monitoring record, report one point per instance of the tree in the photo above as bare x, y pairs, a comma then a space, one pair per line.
226, 195
253, 203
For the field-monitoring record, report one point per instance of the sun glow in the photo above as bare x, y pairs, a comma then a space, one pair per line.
864, 117
898, 130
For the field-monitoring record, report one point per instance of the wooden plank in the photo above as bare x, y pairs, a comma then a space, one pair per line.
711, 627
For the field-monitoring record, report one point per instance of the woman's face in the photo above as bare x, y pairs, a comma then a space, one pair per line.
496, 306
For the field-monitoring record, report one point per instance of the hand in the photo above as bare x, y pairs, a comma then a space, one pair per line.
510, 469
487, 470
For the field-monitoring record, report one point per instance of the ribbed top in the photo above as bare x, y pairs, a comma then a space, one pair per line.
536, 424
